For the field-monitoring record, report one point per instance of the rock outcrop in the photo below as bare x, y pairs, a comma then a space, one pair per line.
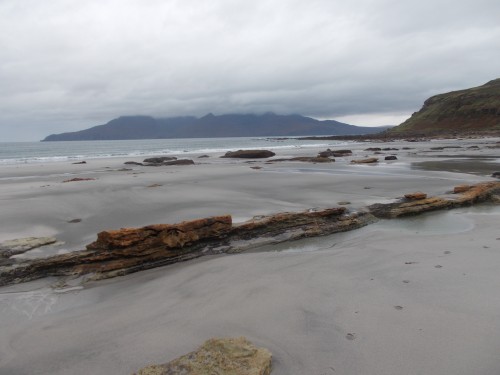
123, 251
21, 245
224, 356
119, 252
249, 154
483, 192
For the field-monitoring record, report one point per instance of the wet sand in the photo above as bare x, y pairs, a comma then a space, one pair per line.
412, 296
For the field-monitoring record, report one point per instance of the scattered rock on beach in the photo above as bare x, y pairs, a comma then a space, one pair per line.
365, 161
80, 162
179, 162
391, 157
249, 154
221, 356
203, 156
415, 196
495, 174
76, 179
132, 163
159, 160
334, 153
73, 221
460, 189
309, 159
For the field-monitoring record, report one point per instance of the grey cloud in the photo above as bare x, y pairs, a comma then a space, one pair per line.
67, 65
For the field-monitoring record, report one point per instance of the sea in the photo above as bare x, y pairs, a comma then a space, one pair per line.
46, 152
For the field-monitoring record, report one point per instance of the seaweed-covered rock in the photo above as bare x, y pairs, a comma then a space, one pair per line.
221, 356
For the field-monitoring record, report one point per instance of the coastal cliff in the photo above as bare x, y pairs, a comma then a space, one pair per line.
471, 111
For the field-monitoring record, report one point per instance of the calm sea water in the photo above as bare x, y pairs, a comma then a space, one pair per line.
43, 152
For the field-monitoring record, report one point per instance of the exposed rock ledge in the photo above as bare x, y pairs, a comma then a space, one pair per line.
119, 252
226, 356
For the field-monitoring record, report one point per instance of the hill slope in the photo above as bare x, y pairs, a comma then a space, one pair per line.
231, 125
475, 110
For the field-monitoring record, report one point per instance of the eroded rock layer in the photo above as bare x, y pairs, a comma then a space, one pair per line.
127, 250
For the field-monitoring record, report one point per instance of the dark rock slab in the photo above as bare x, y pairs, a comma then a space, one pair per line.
249, 154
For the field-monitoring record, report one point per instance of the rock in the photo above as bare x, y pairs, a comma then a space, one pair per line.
310, 159
203, 156
460, 189
337, 153
365, 161
159, 160
391, 157
390, 149
21, 245
120, 252
162, 236
133, 163
373, 149
221, 356
249, 154
179, 162
415, 196
482, 192
80, 162
256, 167
76, 179
74, 221
495, 174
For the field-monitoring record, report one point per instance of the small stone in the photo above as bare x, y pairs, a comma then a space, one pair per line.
461, 189
74, 221
398, 307
391, 157
350, 336
415, 196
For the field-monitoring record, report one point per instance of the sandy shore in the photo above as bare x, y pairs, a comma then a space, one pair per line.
346, 304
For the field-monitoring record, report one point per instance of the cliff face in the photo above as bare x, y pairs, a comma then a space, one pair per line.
470, 111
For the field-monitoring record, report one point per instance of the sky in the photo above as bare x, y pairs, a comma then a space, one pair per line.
67, 65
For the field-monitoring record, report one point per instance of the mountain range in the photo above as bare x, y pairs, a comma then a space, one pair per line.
211, 126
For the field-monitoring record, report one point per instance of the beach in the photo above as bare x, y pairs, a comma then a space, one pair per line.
404, 296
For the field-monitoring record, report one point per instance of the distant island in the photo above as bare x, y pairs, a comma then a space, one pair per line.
212, 126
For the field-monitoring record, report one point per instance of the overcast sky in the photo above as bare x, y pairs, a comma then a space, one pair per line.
67, 65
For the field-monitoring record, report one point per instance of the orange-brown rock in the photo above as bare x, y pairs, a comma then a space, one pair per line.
483, 192
168, 236
460, 189
415, 196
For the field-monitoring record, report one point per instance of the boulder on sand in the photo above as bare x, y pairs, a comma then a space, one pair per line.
222, 356
365, 161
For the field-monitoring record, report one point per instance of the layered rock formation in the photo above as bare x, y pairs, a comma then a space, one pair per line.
225, 356
420, 203
119, 252
475, 110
